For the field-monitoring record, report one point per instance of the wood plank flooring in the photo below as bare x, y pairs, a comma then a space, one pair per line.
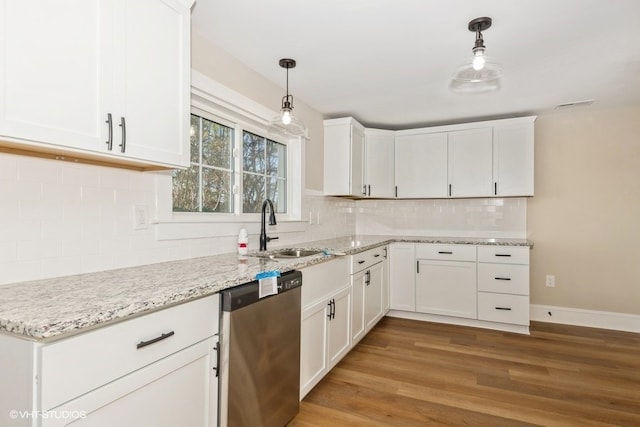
410, 373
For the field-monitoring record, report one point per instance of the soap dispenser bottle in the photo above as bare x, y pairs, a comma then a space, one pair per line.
243, 242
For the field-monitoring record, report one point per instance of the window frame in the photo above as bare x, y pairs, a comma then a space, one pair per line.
240, 123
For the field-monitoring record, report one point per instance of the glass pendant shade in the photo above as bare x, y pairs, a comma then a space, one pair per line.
479, 73
286, 122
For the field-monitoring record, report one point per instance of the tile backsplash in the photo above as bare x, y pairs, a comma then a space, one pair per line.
491, 217
60, 218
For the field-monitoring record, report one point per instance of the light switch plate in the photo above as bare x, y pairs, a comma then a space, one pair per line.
140, 217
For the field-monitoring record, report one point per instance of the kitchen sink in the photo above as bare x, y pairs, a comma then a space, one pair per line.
287, 253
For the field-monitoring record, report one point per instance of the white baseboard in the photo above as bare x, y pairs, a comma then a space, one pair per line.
460, 321
590, 318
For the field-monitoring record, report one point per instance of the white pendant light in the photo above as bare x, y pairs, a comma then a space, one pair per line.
480, 73
286, 122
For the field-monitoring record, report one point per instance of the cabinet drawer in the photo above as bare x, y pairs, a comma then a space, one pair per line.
504, 254
321, 280
366, 259
503, 278
79, 364
503, 308
446, 252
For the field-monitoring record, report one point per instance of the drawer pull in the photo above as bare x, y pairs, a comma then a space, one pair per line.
504, 308
361, 262
376, 255
506, 255
502, 278
445, 252
155, 340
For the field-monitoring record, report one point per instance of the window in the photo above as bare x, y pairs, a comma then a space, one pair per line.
263, 173
217, 182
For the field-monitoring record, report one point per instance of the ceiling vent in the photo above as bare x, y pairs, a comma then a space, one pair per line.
574, 104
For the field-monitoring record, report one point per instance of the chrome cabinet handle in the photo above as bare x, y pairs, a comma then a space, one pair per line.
155, 340
123, 125
109, 122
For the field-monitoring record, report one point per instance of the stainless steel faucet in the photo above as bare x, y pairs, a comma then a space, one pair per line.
263, 229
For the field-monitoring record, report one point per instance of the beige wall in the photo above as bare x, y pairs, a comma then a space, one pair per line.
585, 217
219, 65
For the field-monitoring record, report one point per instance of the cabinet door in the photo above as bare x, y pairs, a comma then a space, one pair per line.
313, 345
373, 296
446, 288
421, 165
471, 163
343, 153
54, 57
339, 342
170, 392
513, 159
379, 163
402, 276
385, 282
357, 318
357, 161
153, 81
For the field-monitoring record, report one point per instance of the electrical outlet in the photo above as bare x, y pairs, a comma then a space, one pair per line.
551, 281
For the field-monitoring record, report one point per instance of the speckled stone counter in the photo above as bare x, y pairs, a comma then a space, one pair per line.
50, 309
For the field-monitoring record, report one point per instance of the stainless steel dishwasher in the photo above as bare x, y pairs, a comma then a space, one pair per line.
260, 354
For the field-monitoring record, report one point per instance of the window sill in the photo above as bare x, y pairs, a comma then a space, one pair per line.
179, 229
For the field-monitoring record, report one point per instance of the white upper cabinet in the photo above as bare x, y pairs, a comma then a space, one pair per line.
53, 60
343, 157
421, 165
379, 163
470, 163
483, 159
104, 78
153, 79
513, 158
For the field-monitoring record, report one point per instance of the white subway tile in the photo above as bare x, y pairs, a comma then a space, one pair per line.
39, 170
8, 169
20, 271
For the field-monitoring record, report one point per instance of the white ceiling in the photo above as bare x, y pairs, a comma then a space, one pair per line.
388, 63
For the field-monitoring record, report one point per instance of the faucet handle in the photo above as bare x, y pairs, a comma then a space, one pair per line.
272, 238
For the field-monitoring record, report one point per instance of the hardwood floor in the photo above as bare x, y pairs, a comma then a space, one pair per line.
410, 373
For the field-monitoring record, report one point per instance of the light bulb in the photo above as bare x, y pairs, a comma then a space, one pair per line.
286, 117
478, 59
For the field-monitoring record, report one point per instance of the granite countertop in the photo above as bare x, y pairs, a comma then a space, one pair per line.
45, 310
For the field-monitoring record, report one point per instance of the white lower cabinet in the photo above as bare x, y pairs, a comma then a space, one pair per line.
156, 369
402, 276
170, 392
481, 285
367, 280
503, 284
373, 296
446, 288
446, 280
326, 320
